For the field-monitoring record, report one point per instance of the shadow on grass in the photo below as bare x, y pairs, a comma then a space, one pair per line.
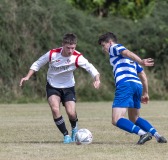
60, 142
34, 142
113, 143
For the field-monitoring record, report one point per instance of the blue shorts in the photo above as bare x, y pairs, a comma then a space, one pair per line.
128, 95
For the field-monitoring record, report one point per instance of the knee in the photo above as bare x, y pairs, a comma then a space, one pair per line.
133, 119
114, 121
72, 115
71, 112
55, 110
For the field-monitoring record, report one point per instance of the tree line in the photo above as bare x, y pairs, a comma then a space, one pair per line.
29, 28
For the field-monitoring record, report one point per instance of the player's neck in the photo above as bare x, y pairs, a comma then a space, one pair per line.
64, 54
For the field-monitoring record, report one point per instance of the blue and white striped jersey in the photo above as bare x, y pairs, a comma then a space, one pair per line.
124, 69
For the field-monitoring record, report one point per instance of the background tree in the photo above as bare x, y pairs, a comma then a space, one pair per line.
29, 28
132, 9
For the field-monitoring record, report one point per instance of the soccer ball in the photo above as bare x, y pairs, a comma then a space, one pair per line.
83, 136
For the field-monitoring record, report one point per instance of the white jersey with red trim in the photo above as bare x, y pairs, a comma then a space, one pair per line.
60, 71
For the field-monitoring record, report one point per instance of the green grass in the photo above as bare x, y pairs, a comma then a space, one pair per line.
27, 132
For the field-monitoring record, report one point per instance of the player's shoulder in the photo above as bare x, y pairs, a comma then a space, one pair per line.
54, 52
117, 45
76, 53
57, 50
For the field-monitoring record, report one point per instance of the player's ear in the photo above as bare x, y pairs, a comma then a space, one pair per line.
111, 42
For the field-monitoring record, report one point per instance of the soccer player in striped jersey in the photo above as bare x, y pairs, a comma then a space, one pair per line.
131, 89
60, 81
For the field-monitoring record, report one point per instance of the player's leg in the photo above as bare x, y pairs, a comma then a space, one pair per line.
133, 114
142, 123
134, 111
146, 126
54, 102
123, 123
69, 101
123, 100
71, 112
53, 95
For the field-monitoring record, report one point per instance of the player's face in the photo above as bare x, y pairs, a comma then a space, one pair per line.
105, 46
68, 49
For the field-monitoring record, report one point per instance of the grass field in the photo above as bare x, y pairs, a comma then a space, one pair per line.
27, 132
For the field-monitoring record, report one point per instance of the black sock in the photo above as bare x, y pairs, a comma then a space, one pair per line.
61, 125
73, 122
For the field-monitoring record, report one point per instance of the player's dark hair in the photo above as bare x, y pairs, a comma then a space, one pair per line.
69, 38
106, 37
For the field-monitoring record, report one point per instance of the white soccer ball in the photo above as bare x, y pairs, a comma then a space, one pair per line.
83, 136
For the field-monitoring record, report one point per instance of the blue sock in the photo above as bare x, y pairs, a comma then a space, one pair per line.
127, 125
145, 125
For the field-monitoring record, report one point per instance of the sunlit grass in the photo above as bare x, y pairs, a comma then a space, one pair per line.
27, 131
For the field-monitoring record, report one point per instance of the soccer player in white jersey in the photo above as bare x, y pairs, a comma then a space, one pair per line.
131, 89
60, 81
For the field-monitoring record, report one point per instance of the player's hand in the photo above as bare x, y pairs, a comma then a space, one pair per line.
148, 62
22, 80
96, 84
144, 99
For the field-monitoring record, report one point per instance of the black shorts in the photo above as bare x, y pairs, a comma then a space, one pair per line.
66, 94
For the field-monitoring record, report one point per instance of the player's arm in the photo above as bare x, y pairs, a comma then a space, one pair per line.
35, 67
30, 73
134, 57
143, 78
83, 62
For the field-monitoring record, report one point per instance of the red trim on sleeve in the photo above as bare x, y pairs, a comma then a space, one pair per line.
77, 54
57, 50
76, 61
51, 52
